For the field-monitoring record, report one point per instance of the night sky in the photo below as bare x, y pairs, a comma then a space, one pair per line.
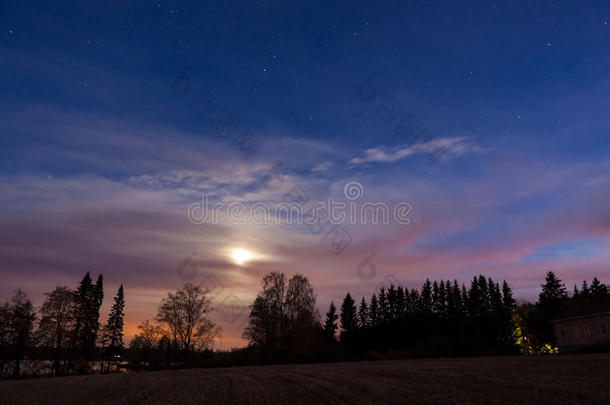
105, 143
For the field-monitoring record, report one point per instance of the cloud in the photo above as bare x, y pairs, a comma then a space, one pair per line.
322, 167
442, 146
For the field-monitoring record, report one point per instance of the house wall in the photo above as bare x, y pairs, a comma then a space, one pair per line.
584, 331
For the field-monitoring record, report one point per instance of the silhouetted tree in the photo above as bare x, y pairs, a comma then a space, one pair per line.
6, 336
400, 303
18, 317
585, 292
349, 321
576, 293
330, 324
57, 318
425, 298
599, 291
88, 300
374, 311
383, 313
283, 320
363, 314
184, 313
151, 344
113, 331
552, 296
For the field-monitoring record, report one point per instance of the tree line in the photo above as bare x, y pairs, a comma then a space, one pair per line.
64, 334
441, 318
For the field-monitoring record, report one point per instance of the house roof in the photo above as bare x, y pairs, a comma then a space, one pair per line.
577, 310
580, 317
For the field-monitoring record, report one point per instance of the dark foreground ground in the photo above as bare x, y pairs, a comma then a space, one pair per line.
573, 379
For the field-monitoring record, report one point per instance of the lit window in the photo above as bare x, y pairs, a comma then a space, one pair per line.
587, 330
603, 329
576, 332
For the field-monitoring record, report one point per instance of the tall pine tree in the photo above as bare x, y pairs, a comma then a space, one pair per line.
349, 321
363, 314
114, 326
330, 324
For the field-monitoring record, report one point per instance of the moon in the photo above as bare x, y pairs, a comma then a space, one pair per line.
241, 256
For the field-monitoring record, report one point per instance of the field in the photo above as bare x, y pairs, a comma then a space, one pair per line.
502, 380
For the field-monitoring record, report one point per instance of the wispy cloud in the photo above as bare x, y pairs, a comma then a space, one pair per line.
449, 146
322, 167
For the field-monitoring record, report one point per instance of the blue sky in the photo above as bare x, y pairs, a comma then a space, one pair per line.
99, 157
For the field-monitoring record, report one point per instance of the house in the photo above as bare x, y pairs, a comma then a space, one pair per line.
583, 328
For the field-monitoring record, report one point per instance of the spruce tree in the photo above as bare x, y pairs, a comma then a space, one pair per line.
435, 299
425, 298
441, 306
599, 291
114, 326
508, 302
576, 293
551, 297
363, 314
82, 312
508, 305
88, 301
475, 300
415, 302
330, 324
392, 304
384, 310
349, 321
585, 292
400, 302
374, 312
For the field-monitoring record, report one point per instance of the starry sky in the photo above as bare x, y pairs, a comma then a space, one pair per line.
108, 133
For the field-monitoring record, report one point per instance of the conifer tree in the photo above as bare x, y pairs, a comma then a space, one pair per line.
392, 304
363, 314
414, 298
349, 321
551, 297
435, 299
585, 292
400, 302
374, 312
599, 291
576, 293
88, 300
114, 326
330, 324
508, 302
441, 306
425, 298
384, 311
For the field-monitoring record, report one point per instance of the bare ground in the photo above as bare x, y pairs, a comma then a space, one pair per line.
574, 379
